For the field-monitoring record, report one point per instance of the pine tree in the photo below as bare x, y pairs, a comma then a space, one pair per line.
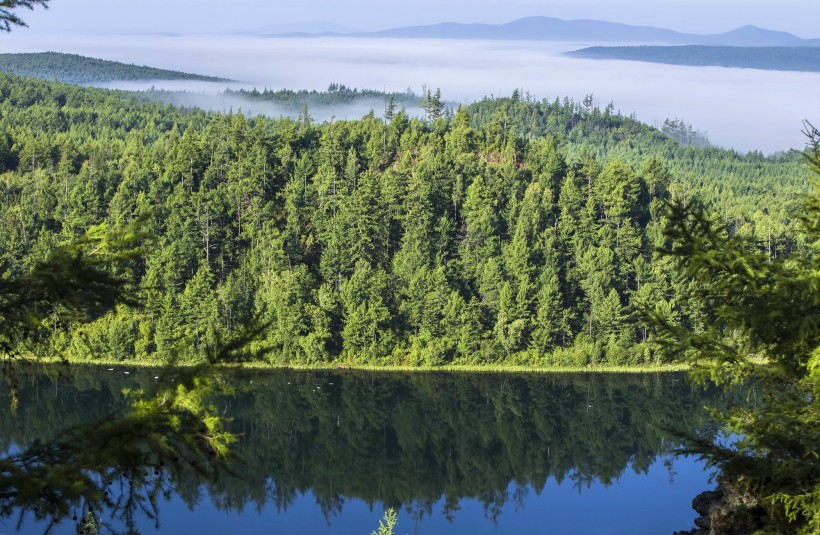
390, 109
764, 328
9, 18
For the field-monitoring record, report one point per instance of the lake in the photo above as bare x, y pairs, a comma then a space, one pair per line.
326, 452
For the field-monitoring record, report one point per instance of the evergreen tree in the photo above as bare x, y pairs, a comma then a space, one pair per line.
763, 328
9, 18
390, 109
499, 234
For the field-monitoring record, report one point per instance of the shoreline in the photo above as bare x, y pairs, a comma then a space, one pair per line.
343, 367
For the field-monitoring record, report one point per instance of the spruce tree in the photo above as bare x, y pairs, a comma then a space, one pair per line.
763, 329
9, 18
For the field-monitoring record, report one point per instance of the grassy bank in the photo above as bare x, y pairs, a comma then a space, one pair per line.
457, 368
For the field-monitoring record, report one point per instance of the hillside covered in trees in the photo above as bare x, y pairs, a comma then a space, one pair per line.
778, 58
76, 69
514, 231
336, 95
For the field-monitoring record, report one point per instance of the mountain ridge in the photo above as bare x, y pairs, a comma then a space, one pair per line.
540, 28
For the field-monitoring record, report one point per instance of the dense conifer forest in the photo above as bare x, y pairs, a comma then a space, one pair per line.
295, 102
510, 231
76, 69
778, 58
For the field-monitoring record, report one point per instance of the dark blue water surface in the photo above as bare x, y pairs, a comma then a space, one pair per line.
324, 452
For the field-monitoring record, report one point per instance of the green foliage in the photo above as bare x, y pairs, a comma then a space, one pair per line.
387, 526
9, 17
78, 280
763, 327
337, 95
76, 69
780, 58
121, 465
517, 231
106, 464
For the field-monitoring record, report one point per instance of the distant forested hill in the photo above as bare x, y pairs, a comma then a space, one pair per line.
73, 68
514, 231
780, 58
336, 95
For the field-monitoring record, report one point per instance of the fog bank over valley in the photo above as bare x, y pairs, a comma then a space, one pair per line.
744, 109
226, 103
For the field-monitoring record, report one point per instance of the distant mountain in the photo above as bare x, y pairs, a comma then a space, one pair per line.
755, 36
76, 69
533, 28
779, 58
552, 29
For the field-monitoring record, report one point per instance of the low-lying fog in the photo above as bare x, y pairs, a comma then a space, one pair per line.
212, 96
740, 108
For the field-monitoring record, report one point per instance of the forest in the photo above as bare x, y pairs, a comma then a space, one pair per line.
76, 69
295, 102
778, 58
509, 231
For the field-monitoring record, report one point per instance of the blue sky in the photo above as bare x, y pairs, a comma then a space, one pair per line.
801, 17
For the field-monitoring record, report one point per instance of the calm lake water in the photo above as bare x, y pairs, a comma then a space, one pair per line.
454, 453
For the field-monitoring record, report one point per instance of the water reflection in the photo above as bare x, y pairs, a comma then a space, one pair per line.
421, 443
108, 471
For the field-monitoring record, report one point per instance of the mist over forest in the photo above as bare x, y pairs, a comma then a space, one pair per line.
718, 101
381, 205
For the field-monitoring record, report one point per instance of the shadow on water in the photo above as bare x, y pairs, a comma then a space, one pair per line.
412, 441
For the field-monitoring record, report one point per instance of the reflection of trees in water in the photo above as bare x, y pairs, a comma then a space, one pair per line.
108, 469
415, 441
405, 441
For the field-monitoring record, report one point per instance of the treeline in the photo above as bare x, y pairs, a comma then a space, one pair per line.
754, 195
516, 231
684, 133
76, 69
336, 95
778, 58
